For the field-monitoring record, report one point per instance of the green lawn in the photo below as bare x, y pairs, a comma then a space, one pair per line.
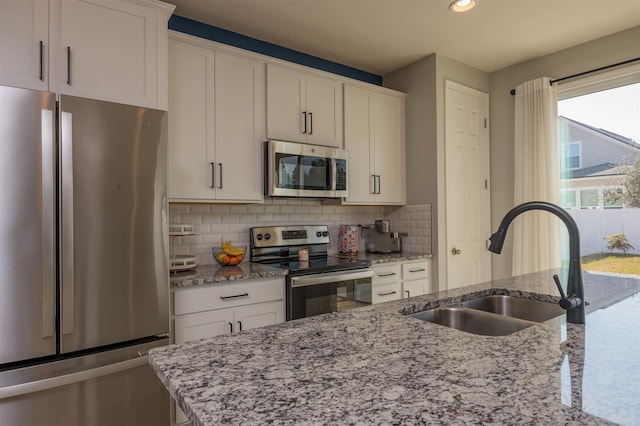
610, 262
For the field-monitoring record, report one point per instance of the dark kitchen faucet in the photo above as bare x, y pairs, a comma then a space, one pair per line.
574, 302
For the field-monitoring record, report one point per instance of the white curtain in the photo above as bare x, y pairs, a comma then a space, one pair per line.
536, 241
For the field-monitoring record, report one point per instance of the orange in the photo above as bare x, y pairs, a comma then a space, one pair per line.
233, 260
226, 260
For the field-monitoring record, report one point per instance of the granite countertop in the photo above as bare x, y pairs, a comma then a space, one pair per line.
375, 366
211, 274
377, 258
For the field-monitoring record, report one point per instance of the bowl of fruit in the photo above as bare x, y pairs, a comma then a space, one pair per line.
228, 254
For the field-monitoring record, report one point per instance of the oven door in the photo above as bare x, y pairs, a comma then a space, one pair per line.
309, 295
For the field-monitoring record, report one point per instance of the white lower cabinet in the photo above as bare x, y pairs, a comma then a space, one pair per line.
416, 278
203, 312
385, 284
400, 280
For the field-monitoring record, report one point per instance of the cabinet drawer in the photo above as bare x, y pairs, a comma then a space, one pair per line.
385, 293
415, 270
386, 274
226, 295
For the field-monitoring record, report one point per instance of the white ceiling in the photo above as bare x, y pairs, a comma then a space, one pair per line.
381, 36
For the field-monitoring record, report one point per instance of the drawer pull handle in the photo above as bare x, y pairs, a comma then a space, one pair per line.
408, 293
230, 327
417, 270
239, 325
237, 296
387, 274
386, 293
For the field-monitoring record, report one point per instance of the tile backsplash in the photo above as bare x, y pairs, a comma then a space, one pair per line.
215, 222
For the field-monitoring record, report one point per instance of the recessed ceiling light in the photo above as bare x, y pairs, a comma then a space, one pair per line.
462, 5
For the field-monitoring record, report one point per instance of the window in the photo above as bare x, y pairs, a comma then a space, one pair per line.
568, 198
588, 198
571, 156
612, 198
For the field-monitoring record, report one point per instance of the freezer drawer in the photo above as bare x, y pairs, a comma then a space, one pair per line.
112, 388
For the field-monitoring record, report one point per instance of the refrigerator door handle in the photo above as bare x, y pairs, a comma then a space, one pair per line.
78, 376
66, 137
48, 224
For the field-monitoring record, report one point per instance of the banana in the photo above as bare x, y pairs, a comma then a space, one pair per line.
228, 248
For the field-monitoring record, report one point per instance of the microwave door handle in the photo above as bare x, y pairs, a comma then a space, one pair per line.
307, 280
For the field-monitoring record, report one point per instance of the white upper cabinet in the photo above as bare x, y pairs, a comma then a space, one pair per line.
239, 127
112, 50
303, 107
374, 136
216, 124
24, 43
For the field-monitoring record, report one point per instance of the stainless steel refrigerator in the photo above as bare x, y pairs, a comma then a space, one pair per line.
83, 260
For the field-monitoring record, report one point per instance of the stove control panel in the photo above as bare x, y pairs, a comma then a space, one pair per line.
277, 236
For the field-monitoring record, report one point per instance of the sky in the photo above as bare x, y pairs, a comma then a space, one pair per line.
616, 110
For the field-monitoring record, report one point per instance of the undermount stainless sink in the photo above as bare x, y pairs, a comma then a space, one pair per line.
518, 307
494, 315
473, 321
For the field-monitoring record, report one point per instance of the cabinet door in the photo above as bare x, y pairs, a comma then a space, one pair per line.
24, 42
258, 315
191, 128
413, 288
357, 132
202, 325
324, 111
105, 50
239, 127
388, 148
285, 104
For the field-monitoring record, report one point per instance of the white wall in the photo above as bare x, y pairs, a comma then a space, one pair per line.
601, 52
215, 222
423, 81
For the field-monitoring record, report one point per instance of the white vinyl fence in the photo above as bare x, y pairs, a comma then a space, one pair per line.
594, 224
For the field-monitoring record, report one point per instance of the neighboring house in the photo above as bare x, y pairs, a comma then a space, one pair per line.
592, 165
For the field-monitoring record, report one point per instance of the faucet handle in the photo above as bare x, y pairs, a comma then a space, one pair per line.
566, 302
557, 281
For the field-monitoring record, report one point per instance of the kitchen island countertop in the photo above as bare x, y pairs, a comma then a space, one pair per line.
375, 366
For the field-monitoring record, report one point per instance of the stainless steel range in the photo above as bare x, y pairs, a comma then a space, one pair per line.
317, 283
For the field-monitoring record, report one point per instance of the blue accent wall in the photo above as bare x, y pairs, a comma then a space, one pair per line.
199, 29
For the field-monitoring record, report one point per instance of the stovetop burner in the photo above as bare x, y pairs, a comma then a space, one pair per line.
320, 265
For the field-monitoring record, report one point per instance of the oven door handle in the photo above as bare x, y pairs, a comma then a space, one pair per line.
307, 280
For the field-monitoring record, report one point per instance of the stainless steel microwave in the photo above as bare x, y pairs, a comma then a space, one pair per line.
304, 170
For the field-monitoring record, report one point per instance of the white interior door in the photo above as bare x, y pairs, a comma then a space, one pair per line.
468, 220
